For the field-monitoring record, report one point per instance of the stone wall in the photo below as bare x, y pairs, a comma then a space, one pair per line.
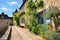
54, 3
5, 22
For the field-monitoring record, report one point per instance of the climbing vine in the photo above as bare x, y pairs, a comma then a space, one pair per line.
39, 4
16, 18
34, 26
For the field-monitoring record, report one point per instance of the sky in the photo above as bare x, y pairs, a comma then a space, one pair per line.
9, 6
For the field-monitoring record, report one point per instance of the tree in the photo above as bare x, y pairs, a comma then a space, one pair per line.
16, 18
53, 14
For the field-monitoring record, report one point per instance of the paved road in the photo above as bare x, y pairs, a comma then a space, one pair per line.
23, 34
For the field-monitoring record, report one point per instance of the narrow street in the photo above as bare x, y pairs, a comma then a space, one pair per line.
23, 34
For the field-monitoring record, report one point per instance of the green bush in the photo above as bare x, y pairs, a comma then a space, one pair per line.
31, 27
16, 18
39, 29
54, 36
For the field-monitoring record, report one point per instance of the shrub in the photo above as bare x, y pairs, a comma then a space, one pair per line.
31, 27
16, 18
41, 29
53, 36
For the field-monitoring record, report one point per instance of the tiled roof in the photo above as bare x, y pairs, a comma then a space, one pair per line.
4, 16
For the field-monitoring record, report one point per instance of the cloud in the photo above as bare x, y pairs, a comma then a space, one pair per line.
4, 8
19, 5
13, 3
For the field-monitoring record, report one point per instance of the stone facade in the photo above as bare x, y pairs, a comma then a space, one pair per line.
5, 20
54, 3
23, 17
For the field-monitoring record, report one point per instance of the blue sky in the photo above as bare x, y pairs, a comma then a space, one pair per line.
9, 6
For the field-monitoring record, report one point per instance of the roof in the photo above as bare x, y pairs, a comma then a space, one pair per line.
5, 16
22, 4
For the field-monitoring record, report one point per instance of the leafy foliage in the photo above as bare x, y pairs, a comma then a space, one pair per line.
33, 26
16, 18
39, 3
30, 4
54, 36
39, 29
53, 13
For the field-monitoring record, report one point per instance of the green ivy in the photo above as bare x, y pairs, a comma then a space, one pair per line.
30, 4
33, 26
16, 18
39, 4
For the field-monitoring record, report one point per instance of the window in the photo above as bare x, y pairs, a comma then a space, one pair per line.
47, 21
22, 20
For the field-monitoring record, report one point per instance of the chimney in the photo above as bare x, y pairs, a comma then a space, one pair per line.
16, 10
2, 13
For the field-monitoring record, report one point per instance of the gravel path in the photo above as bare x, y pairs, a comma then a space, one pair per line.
23, 34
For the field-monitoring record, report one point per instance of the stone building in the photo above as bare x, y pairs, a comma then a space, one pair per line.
52, 3
49, 4
40, 12
23, 16
5, 20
